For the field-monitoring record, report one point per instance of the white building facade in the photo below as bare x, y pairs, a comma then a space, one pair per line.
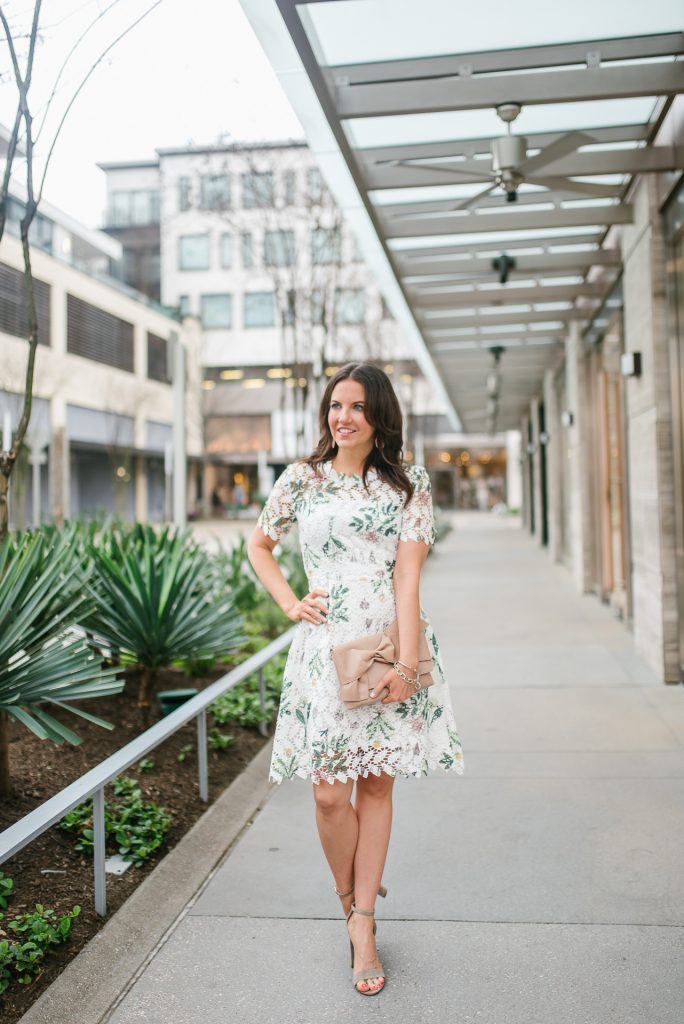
102, 412
252, 245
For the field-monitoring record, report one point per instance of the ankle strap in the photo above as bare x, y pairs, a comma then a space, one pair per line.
366, 913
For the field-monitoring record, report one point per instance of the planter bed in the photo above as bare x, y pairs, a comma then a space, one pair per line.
40, 769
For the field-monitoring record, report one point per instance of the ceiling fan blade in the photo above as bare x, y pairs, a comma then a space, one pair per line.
465, 203
563, 146
585, 188
466, 172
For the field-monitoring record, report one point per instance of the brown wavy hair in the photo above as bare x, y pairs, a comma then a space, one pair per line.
383, 412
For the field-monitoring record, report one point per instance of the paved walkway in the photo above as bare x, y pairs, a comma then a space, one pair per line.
544, 886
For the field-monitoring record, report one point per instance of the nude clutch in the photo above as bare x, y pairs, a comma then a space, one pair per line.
360, 664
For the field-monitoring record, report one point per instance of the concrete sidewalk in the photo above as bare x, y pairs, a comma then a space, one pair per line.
544, 886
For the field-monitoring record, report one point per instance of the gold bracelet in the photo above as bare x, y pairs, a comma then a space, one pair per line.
402, 675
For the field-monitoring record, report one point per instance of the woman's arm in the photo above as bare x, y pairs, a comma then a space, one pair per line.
260, 553
411, 555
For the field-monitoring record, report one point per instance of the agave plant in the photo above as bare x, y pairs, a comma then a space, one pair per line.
44, 657
155, 603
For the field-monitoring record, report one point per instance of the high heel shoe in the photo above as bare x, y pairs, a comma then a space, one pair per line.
368, 972
382, 891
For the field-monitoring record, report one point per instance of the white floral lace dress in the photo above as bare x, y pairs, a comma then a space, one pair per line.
349, 537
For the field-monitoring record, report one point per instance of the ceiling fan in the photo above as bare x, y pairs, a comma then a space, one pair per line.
511, 166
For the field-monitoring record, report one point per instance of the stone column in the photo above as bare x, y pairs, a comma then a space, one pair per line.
140, 479
554, 489
525, 466
537, 456
579, 541
648, 417
59, 463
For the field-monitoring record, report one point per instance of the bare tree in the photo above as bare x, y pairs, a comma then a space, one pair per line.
303, 244
23, 133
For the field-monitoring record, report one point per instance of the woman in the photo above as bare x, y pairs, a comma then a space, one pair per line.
366, 526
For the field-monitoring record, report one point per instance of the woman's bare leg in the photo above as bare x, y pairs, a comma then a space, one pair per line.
338, 829
355, 841
374, 813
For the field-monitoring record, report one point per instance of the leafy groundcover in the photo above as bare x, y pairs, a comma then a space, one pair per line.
51, 871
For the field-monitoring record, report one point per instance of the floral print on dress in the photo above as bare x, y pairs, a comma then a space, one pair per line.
349, 534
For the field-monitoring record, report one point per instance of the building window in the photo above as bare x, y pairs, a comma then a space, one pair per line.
317, 307
260, 308
289, 311
95, 334
184, 305
134, 207
325, 245
350, 305
183, 194
247, 250
290, 187
216, 310
215, 191
157, 358
314, 185
226, 251
118, 209
193, 252
357, 252
13, 319
257, 189
279, 248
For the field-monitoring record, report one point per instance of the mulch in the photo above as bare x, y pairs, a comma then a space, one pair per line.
49, 870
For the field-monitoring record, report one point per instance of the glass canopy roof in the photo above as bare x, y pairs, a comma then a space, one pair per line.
360, 31
484, 161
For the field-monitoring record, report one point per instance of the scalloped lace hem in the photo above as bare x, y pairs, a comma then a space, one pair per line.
317, 777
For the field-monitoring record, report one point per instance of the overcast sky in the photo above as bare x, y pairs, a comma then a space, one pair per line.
190, 71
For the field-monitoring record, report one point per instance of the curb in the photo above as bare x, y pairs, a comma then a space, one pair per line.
90, 986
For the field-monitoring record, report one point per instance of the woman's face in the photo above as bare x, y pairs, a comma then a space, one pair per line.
346, 418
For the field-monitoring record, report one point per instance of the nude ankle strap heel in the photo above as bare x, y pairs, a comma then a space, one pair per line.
368, 972
382, 891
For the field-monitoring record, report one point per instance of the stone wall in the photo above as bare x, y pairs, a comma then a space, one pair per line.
649, 430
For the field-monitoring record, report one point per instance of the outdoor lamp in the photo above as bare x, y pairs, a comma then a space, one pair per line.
630, 364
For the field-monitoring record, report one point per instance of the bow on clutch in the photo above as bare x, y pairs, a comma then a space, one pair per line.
361, 664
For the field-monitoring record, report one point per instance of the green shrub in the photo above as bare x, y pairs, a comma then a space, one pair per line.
138, 827
36, 934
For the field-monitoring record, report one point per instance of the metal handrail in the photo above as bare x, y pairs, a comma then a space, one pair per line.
33, 824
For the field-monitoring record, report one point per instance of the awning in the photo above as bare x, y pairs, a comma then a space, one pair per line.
483, 156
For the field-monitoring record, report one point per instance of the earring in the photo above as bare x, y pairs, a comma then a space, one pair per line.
379, 446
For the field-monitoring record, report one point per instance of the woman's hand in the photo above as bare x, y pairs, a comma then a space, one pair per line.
398, 689
308, 609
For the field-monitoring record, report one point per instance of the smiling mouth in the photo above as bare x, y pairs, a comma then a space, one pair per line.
345, 430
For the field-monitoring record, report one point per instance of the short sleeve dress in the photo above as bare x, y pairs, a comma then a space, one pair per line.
348, 537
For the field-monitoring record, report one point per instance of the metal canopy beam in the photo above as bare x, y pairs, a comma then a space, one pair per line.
570, 262
622, 161
523, 339
495, 200
487, 61
470, 146
561, 293
471, 223
545, 242
501, 319
454, 93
